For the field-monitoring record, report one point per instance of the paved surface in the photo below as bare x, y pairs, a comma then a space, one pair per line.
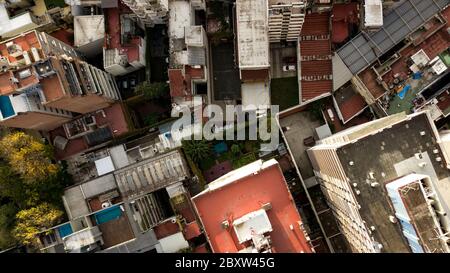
227, 84
277, 54
301, 126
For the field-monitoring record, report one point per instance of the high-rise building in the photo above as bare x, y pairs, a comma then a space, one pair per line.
286, 18
387, 184
254, 212
43, 80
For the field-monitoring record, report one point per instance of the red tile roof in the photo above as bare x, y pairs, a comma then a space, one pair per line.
194, 73
316, 68
317, 26
369, 79
246, 195
312, 89
315, 47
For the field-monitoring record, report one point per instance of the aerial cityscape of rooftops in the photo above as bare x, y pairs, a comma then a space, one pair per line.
231, 126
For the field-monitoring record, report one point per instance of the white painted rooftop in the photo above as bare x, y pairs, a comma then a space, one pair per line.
88, 29
255, 95
252, 33
179, 18
251, 224
12, 26
373, 13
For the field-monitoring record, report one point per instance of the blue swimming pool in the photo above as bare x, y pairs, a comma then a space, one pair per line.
108, 214
6, 107
220, 148
65, 230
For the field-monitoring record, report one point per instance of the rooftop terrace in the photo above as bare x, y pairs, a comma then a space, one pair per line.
244, 192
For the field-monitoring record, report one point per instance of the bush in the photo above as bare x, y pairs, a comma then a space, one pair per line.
153, 90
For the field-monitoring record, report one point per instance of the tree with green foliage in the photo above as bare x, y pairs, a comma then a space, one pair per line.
236, 149
153, 90
7, 221
31, 222
197, 150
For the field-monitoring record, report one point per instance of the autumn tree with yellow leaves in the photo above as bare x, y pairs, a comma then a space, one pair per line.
30, 158
34, 220
31, 185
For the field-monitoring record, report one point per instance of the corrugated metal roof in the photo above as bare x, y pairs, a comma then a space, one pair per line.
401, 21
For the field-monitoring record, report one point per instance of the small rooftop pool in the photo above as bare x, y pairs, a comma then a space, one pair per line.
6, 107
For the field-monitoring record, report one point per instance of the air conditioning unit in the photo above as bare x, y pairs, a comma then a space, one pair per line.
25, 73
35, 54
27, 58
225, 224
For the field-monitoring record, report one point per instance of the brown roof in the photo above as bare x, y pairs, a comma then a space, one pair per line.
352, 106
255, 75
177, 83
165, 229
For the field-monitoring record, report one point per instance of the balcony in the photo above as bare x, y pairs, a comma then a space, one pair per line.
83, 240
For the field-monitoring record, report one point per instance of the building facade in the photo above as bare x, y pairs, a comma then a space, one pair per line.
364, 173
285, 20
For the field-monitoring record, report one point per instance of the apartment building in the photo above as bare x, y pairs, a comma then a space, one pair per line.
188, 48
285, 20
44, 80
253, 53
254, 212
128, 198
386, 183
124, 47
149, 12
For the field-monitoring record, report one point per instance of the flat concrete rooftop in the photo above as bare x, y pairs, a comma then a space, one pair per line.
252, 33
